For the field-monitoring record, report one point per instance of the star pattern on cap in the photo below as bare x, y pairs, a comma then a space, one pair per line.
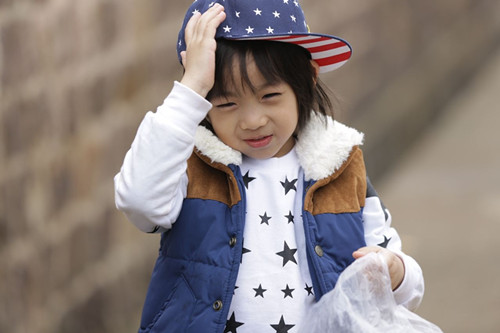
258, 12
249, 30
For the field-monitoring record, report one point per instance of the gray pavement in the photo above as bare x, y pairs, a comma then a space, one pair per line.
444, 196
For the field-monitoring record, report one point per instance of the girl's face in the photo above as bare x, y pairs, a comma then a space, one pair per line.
259, 123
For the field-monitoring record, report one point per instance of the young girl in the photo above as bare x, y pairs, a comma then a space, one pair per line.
261, 197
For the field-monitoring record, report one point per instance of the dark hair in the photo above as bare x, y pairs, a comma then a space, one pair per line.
277, 62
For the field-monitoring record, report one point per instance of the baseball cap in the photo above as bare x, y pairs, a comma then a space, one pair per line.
272, 20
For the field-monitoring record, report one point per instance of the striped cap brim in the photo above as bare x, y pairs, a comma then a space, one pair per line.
329, 52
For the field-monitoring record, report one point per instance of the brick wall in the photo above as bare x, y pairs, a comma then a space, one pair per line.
76, 78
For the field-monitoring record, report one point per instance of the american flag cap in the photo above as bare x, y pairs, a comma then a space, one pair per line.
273, 20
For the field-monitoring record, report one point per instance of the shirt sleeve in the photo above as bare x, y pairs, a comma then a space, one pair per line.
152, 181
379, 232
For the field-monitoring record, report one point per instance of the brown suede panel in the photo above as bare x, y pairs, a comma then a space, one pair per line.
342, 192
211, 181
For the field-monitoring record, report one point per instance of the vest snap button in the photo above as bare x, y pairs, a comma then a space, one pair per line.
319, 251
232, 241
217, 305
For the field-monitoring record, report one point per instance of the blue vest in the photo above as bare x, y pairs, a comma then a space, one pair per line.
195, 274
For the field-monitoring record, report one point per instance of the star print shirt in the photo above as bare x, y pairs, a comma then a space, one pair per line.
274, 285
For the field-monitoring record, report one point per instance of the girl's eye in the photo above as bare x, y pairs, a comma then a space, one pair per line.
226, 105
272, 95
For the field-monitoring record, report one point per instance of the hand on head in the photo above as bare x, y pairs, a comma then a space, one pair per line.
199, 58
394, 263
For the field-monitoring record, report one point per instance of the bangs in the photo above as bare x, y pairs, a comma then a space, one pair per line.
233, 57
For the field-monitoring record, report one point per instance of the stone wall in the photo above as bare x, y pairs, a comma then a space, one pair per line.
76, 78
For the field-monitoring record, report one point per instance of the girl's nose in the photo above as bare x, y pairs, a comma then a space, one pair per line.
253, 119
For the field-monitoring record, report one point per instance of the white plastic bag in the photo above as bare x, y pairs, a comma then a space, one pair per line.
362, 302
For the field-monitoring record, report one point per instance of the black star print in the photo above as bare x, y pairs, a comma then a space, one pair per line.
289, 185
288, 291
259, 291
290, 217
243, 252
282, 327
287, 254
265, 219
247, 179
155, 229
232, 324
385, 242
309, 290
386, 213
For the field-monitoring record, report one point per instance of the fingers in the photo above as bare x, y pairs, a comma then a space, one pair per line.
205, 25
191, 24
394, 262
199, 57
200, 34
365, 250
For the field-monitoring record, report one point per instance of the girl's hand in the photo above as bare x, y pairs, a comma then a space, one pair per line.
394, 263
199, 58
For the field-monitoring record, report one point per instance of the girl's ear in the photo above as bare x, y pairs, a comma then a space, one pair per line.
316, 70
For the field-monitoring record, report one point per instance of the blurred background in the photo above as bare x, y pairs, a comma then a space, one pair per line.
76, 78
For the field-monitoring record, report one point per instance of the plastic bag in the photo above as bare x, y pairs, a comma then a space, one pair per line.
362, 301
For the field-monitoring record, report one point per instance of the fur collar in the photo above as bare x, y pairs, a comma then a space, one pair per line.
322, 147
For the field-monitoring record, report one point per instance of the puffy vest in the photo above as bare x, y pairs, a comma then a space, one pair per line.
195, 274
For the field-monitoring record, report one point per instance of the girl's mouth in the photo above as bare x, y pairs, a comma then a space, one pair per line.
259, 142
